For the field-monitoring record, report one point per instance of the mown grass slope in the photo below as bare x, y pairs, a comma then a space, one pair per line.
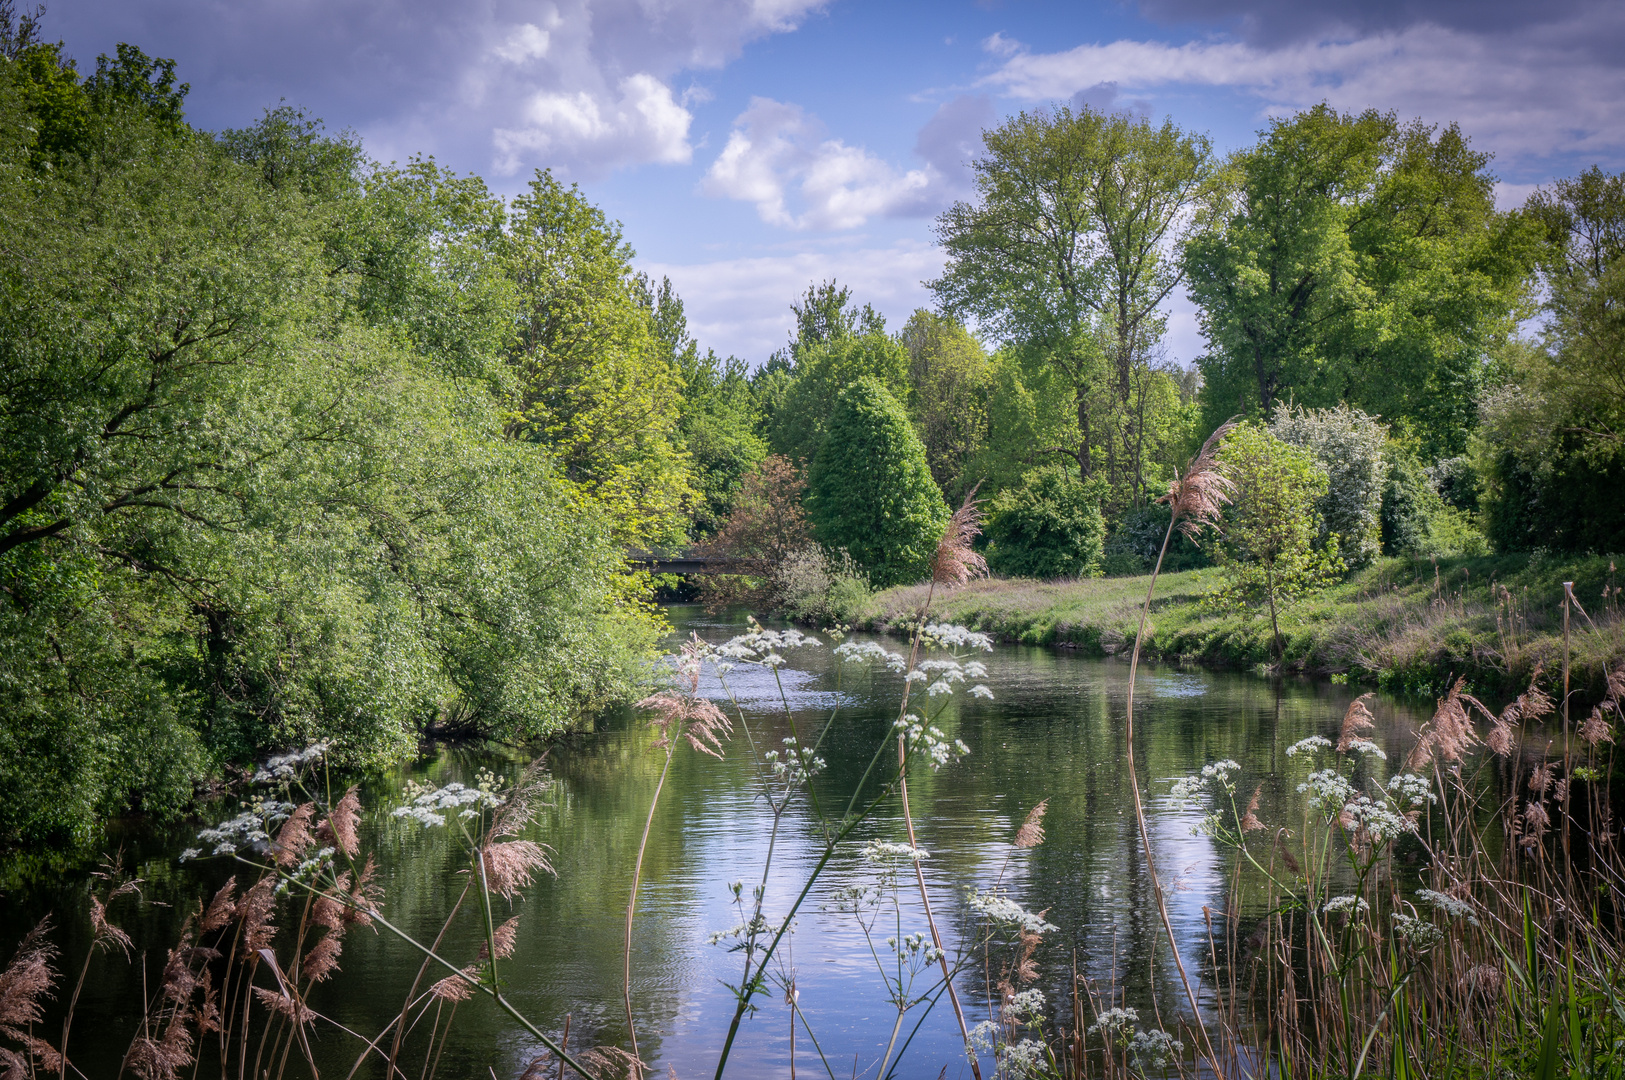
1409, 625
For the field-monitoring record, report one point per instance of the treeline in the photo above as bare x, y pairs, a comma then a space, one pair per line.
298, 446
1364, 305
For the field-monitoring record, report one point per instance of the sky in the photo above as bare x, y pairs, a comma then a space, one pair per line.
753, 147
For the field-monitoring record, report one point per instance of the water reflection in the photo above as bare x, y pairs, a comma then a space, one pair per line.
1053, 731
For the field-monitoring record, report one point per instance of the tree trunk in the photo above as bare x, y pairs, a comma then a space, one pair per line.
1085, 462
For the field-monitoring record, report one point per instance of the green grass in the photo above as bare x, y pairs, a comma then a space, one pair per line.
1408, 625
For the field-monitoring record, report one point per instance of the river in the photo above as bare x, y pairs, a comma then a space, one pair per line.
1052, 730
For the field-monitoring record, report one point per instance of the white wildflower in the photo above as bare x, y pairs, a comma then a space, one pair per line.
1001, 909
1155, 1049
1419, 932
1114, 1020
1447, 905
1410, 789
1308, 746
1346, 905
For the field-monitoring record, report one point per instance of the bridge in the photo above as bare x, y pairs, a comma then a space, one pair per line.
661, 562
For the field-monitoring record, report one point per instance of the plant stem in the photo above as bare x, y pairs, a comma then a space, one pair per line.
1139, 807
632, 904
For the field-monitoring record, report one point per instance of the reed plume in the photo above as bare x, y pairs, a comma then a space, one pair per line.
512, 865
339, 828
956, 560
1356, 722
294, 836
1197, 496
1031, 833
25, 984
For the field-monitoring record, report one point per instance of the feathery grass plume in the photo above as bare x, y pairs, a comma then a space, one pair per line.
1285, 852
206, 1014
1356, 722
294, 836
1595, 729
682, 711
1450, 733
956, 560
603, 1062
103, 934
1031, 833
456, 987
254, 911
285, 1004
511, 866
515, 812
339, 828
1198, 495
163, 1059
221, 909
505, 936
1249, 820
1540, 778
24, 984
364, 896
322, 959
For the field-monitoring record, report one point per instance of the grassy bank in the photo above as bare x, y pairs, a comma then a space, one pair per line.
1407, 625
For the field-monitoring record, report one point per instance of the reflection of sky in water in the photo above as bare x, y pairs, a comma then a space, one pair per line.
1178, 685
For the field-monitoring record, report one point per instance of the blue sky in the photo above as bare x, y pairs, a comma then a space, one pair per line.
751, 147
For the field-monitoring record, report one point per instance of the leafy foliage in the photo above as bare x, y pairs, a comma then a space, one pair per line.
870, 490
1273, 524
1358, 260
1348, 445
1049, 527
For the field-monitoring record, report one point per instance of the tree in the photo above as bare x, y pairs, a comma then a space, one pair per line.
870, 490
1357, 260
1049, 527
799, 423
1348, 445
1272, 525
1071, 247
593, 385
948, 382
1583, 268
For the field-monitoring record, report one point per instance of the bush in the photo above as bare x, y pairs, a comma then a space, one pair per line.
821, 587
1136, 539
1348, 445
1416, 517
1049, 527
870, 491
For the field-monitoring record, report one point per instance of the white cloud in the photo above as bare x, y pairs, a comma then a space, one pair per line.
741, 307
776, 150
644, 124
524, 42
1538, 91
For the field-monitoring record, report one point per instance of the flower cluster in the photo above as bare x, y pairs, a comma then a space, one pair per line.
1374, 820
285, 769
429, 807
1154, 1049
929, 740
1409, 789
1313, 744
249, 829
763, 647
308, 870
886, 852
915, 949
1449, 906
1027, 1006
1188, 790
1419, 932
1114, 1020
949, 636
796, 766
1024, 1058
1001, 909
1346, 905
1327, 789
858, 652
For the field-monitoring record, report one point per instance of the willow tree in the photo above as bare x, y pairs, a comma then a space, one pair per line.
1071, 245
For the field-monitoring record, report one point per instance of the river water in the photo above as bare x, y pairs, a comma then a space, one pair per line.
1053, 730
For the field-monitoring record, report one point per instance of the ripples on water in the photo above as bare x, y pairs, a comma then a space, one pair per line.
1054, 730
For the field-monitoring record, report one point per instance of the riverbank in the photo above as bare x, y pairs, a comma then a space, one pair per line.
1409, 625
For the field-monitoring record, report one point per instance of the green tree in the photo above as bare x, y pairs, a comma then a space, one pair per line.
720, 421
870, 490
1349, 446
822, 371
594, 387
948, 382
1049, 527
1357, 260
1272, 526
1071, 246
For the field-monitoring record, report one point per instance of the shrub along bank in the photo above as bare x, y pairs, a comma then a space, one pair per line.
1409, 625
